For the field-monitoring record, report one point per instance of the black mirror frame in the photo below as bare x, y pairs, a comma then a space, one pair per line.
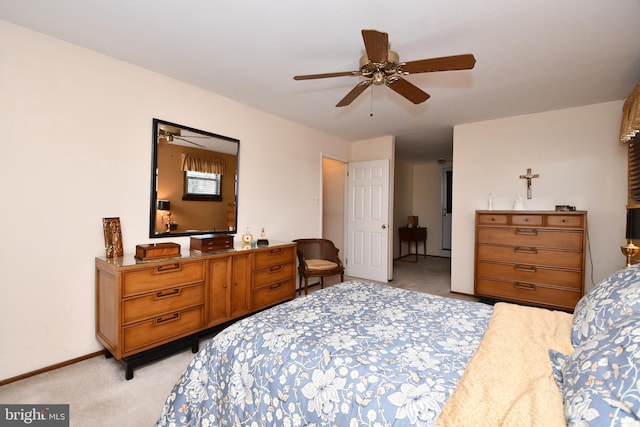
154, 166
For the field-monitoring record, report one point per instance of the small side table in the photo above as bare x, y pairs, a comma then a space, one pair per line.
413, 234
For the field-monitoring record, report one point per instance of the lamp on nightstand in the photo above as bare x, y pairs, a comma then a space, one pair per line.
633, 232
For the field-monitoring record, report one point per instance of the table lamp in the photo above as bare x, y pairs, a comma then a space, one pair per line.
633, 232
165, 205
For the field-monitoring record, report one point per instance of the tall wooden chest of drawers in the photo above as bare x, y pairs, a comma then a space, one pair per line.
531, 257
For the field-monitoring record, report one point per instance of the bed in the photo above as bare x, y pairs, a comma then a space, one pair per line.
365, 354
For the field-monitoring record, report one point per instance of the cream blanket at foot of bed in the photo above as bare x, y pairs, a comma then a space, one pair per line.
509, 381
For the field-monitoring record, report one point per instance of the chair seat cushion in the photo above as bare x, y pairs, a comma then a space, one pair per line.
320, 264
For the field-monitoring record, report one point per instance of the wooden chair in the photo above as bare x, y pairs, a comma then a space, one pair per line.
317, 258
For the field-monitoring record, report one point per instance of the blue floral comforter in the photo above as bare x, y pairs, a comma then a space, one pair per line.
353, 354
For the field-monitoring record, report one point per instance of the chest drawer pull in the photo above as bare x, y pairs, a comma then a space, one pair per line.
527, 231
164, 294
525, 268
275, 251
276, 286
525, 249
174, 316
276, 268
170, 267
525, 286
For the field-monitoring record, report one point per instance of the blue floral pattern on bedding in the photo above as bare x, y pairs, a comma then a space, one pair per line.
353, 354
611, 300
600, 380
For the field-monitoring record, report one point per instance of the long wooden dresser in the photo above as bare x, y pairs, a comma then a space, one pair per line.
531, 257
147, 309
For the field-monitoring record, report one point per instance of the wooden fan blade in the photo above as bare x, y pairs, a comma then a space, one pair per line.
410, 91
325, 75
445, 63
376, 44
360, 87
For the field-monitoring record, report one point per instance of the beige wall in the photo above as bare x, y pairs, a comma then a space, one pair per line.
427, 204
334, 173
580, 163
403, 200
76, 143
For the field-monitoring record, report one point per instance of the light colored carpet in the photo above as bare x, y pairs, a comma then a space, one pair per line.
98, 394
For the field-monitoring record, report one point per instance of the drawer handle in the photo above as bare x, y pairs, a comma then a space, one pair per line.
276, 286
525, 249
275, 268
174, 316
172, 292
171, 267
525, 268
275, 251
525, 286
527, 231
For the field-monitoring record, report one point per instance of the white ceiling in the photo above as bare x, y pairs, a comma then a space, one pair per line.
531, 55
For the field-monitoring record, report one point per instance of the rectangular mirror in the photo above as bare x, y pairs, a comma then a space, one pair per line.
194, 181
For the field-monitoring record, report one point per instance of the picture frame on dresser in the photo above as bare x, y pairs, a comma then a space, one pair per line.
530, 257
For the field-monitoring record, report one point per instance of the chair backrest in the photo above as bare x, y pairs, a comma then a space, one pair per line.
317, 249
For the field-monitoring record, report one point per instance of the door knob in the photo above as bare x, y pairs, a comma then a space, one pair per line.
384, 226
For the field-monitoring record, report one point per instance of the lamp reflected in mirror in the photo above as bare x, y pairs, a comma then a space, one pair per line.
630, 250
164, 206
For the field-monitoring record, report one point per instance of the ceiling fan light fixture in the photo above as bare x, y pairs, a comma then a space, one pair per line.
379, 78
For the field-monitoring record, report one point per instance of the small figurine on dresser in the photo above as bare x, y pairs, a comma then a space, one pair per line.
262, 241
247, 239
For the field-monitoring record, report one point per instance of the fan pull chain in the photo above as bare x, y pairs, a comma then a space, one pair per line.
371, 110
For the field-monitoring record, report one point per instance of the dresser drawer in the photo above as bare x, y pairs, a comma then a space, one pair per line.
525, 236
527, 220
565, 221
273, 274
529, 273
162, 328
493, 219
273, 294
163, 301
273, 256
162, 276
530, 255
528, 293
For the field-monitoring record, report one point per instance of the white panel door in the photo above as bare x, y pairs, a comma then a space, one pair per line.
368, 220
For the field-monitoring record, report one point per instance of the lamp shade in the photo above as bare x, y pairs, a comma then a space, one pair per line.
165, 205
633, 223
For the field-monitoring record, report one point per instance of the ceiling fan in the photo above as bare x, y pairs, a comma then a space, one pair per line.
380, 65
167, 136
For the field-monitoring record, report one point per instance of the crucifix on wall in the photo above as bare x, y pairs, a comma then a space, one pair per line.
529, 176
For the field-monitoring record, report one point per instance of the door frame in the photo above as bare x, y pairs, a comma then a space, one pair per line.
446, 192
342, 245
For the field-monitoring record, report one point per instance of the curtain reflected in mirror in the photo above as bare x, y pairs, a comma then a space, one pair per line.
194, 181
